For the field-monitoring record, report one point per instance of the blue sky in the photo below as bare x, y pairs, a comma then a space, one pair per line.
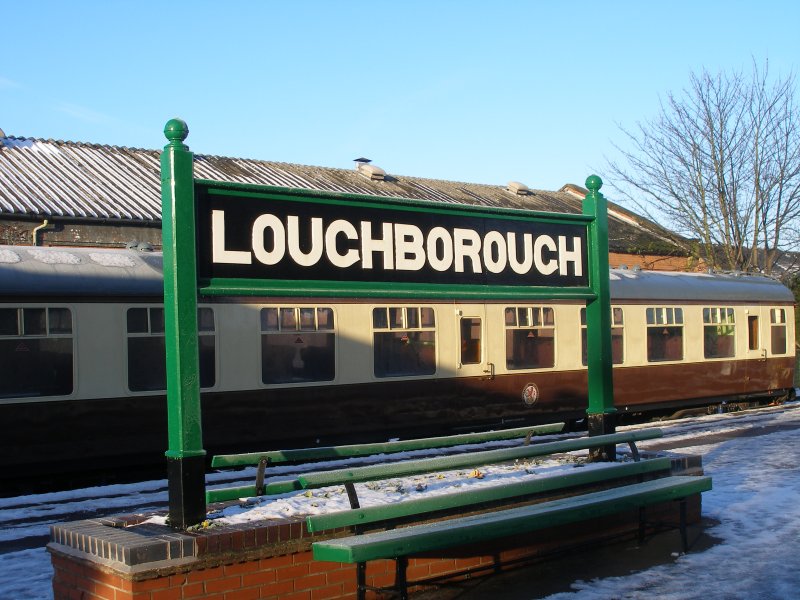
484, 92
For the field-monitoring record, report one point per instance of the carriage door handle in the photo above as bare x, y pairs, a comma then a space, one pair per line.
490, 370
763, 355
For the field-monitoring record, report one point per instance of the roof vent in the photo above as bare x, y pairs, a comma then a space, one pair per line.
369, 171
520, 189
140, 246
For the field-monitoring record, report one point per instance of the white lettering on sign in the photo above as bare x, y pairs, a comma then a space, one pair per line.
397, 246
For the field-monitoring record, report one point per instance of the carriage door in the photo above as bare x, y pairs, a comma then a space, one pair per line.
471, 350
755, 342
755, 351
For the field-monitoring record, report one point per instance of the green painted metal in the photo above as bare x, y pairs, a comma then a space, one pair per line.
474, 529
249, 491
471, 459
337, 288
333, 452
181, 288
185, 437
266, 192
422, 506
598, 310
346, 289
180, 294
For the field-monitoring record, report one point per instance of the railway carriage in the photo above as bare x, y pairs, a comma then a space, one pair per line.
83, 370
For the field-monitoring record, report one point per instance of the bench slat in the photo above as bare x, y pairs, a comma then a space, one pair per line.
248, 491
477, 528
420, 506
471, 459
333, 452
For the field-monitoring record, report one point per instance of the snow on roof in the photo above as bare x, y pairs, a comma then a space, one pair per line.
54, 178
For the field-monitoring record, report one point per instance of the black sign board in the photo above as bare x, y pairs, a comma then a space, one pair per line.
257, 236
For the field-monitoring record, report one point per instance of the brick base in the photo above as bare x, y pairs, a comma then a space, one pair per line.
128, 559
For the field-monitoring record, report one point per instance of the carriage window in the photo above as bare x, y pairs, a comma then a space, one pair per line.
719, 333
777, 320
404, 341
471, 341
617, 337
147, 355
664, 334
752, 332
36, 351
530, 337
298, 344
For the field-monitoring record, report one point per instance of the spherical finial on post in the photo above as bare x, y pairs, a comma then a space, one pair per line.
176, 130
594, 183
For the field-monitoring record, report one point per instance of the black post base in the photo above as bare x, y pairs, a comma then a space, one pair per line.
602, 424
187, 491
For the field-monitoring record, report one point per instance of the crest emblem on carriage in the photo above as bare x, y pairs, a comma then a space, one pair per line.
530, 394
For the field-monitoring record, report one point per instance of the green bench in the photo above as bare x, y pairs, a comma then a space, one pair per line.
304, 455
471, 459
495, 519
399, 543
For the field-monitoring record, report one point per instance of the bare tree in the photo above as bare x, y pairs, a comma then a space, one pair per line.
722, 163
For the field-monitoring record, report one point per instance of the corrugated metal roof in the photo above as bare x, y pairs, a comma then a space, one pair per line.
51, 179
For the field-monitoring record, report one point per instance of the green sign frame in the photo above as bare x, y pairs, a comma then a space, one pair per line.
185, 247
236, 198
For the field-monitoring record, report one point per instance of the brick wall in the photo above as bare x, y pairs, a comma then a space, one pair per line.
234, 563
652, 262
64, 233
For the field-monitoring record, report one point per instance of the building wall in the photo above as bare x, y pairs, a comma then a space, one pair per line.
77, 233
653, 262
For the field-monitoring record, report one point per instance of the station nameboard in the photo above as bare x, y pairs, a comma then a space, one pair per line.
249, 233
231, 239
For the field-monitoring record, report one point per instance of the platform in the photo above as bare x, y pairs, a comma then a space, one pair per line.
133, 557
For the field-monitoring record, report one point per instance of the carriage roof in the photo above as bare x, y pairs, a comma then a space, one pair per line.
45, 271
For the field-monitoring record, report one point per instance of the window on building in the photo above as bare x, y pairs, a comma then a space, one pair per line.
617, 337
147, 355
298, 344
719, 332
404, 340
530, 337
36, 352
664, 334
777, 320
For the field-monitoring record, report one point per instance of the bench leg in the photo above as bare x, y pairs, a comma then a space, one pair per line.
401, 583
642, 524
361, 580
684, 537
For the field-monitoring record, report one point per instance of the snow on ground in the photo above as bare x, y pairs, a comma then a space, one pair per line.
756, 500
754, 510
390, 491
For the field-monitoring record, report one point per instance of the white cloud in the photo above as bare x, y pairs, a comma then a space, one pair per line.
7, 84
83, 114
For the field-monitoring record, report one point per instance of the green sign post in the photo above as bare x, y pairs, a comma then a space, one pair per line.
601, 411
185, 455
223, 239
